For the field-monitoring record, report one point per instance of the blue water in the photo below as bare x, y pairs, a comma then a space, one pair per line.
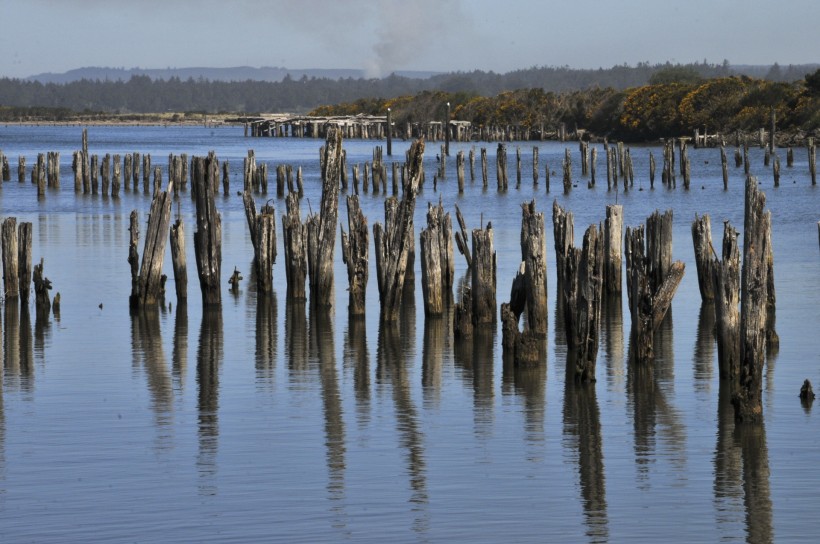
267, 421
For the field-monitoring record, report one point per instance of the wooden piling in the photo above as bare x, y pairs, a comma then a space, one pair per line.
535, 166
11, 275
42, 285
136, 170
533, 254
146, 172
461, 238
356, 255
21, 169
178, 260
704, 253
483, 276
812, 161
484, 167
437, 263
726, 287
724, 166
294, 234
583, 147
321, 227
564, 235
105, 173
567, 167
582, 292
394, 240
208, 234
747, 400
159, 218
460, 171
776, 170
501, 167
265, 249
593, 163
24, 238
612, 242
659, 247
517, 167
651, 170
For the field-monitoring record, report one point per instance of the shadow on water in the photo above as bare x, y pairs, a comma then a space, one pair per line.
612, 332
18, 357
148, 354
648, 387
357, 358
266, 332
705, 346
393, 353
322, 350
582, 432
208, 361
741, 468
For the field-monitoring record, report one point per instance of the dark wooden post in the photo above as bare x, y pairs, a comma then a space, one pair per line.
321, 228
265, 249
593, 162
447, 134
24, 262
812, 161
11, 275
534, 257
178, 259
461, 238
437, 266
535, 166
151, 287
483, 276
21, 169
484, 167
501, 167
42, 285
460, 171
389, 142
704, 252
563, 235
726, 287
567, 166
356, 255
294, 234
747, 400
724, 166
394, 240
651, 170
208, 234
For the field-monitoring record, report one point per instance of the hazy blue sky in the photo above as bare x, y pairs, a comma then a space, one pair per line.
382, 36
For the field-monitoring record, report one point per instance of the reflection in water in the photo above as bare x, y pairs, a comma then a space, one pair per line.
582, 431
530, 383
391, 355
705, 348
741, 470
322, 349
647, 389
42, 331
208, 360
18, 358
355, 355
432, 355
265, 338
296, 346
146, 346
179, 358
613, 340
475, 357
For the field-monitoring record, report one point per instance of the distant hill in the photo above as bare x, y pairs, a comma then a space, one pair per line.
238, 73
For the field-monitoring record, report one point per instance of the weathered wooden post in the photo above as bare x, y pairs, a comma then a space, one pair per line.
776, 170
584, 149
226, 178
394, 240
612, 242
105, 172
146, 172
724, 166
128, 171
294, 234
208, 234
593, 162
726, 287
136, 172
533, 254
321, 228
582, 292
563, 235
150, 287
21, 169
42, 285
535, 166
789, 157
446, 127
651, 170
389, 143
41, 174
356, 255
461, 238
704, 251
24, 262
747, 400
483, 276
567, 165
178, 259
460, 171
11, 275
117, 174
812, 161
501, 167
659, 247
53, 169
265, 249
437, 266
517, 167
86, 158
484, 167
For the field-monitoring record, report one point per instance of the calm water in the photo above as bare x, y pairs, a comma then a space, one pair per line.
269, 421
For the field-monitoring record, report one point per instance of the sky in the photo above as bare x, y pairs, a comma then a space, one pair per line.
382, 36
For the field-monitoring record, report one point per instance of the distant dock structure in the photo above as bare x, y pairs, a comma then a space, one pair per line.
362, 126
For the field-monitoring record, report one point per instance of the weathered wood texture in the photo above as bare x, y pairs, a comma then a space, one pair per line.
265, 249
461, 238
582, 291
437, 266
563, 232
42, 285
321, 227
356, 255
150, 284
747, 400
11, 274
178, 260
208, 234
483, 276
612, 247
501, 167
726, 288
534, 256
704, 252
24, 238
294, 234
394, 240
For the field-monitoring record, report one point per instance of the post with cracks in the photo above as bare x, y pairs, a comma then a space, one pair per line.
726, 288
11, 275
394, 240
321, 227
747, 399
564, 236
704, 251
582, 291
501, 167
483, 276
178, 259
150, 285
534, 257
356, 254
265, 248
437, 266
208, 234
294, 234
461, 238
650, 286
24, 238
